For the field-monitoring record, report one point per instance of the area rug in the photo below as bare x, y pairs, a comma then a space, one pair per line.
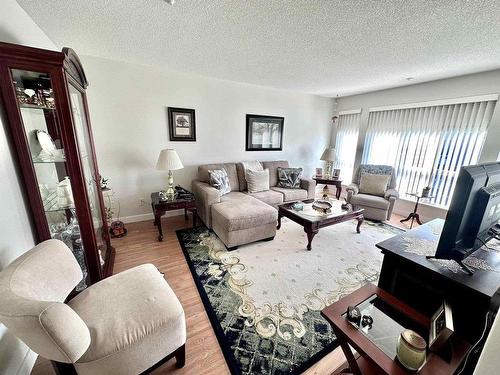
264, 299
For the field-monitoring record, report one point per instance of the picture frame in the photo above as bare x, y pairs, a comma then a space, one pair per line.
264, 133
441, 327
319, 172
181, 124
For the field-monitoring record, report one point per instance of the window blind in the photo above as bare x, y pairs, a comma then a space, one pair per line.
346, 143
428, 145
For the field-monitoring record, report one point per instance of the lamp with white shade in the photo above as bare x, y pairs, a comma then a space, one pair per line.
330, 156
168, 160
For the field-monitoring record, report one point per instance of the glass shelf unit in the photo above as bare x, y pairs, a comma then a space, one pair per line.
48, 118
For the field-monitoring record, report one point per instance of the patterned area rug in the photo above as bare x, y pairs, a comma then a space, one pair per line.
264, 299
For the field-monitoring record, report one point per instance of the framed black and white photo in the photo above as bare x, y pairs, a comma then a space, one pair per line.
182, 124
264, 133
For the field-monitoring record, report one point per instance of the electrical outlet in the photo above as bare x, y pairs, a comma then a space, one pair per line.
142, 202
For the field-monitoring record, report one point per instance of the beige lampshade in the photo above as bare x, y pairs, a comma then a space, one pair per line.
168, 160
330, 154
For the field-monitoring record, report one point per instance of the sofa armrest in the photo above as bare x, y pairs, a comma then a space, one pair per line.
352, 189
310, 186
391, 193
205, 195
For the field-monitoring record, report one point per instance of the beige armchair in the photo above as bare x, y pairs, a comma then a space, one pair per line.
122, 325
376, 207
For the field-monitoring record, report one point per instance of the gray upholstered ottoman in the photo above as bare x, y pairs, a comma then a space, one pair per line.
239, 222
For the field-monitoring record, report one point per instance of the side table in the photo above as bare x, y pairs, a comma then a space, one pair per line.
377, 345
160, 206
329, 181
414, 216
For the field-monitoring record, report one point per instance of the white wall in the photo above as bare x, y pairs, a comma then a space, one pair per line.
128, 109
15, 227
469, 85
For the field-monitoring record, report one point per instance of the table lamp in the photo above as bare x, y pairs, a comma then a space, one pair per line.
329, 155
168, 160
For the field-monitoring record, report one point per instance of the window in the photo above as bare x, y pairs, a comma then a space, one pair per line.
428, 143
346, 142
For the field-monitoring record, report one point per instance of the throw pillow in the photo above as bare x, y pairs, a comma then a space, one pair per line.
218, 179
257, 180
289, 177
374, 184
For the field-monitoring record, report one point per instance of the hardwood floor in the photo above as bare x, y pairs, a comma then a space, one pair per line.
203, 353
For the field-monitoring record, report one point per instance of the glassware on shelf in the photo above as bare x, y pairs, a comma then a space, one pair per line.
64, 193
20, 95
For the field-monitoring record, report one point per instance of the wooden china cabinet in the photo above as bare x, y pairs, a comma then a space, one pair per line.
43, 96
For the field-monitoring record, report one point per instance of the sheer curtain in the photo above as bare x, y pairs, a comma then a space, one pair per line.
428, 144
346, 142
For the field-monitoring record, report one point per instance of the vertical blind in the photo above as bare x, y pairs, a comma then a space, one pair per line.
428, 145
346, 142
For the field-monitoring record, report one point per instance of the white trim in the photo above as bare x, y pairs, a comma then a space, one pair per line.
146, 217
350, 112
433, 103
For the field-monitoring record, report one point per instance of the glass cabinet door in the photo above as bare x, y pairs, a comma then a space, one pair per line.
37, 107
91, 177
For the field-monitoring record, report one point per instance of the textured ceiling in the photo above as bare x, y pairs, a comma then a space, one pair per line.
316, 46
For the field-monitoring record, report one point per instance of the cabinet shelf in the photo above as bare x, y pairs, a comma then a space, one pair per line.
34, 106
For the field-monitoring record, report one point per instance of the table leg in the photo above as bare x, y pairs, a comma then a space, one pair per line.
360, 221
339, 191
279, 220
417, 219
195, 214
353, 365
310, 235
158, 224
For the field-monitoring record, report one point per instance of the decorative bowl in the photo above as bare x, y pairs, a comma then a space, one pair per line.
322, 205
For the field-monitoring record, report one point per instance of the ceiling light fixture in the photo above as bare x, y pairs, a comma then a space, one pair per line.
410, 78
171, 2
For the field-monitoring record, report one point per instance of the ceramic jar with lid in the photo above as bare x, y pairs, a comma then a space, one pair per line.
411, 350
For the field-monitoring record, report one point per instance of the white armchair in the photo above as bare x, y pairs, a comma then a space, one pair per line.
123, 325
376, 207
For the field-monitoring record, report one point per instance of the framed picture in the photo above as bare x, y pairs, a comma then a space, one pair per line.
319, 172
181, 124
264, 133
441, 327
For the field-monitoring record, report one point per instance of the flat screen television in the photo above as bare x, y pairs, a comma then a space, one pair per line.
474, 210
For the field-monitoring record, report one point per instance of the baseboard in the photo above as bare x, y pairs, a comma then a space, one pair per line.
149, 216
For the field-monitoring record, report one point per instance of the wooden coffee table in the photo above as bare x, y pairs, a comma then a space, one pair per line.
312, 220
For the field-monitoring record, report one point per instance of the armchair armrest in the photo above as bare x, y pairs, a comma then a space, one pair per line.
310, 186
391, 193
205, 195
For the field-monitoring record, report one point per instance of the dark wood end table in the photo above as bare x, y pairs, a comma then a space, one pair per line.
313, 223
329, 181
372, 358
160, 206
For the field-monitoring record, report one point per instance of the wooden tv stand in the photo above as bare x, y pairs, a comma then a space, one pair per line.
424, 283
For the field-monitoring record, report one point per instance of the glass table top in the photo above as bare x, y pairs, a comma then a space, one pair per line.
309, 213
387, 326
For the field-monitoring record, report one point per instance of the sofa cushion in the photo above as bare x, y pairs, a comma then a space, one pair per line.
273, 170
372, 201
230, 168
126, 309
289, 177
257, 180
218, 179
235, 196
243, 214
291, 194
374, 184
270, 197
